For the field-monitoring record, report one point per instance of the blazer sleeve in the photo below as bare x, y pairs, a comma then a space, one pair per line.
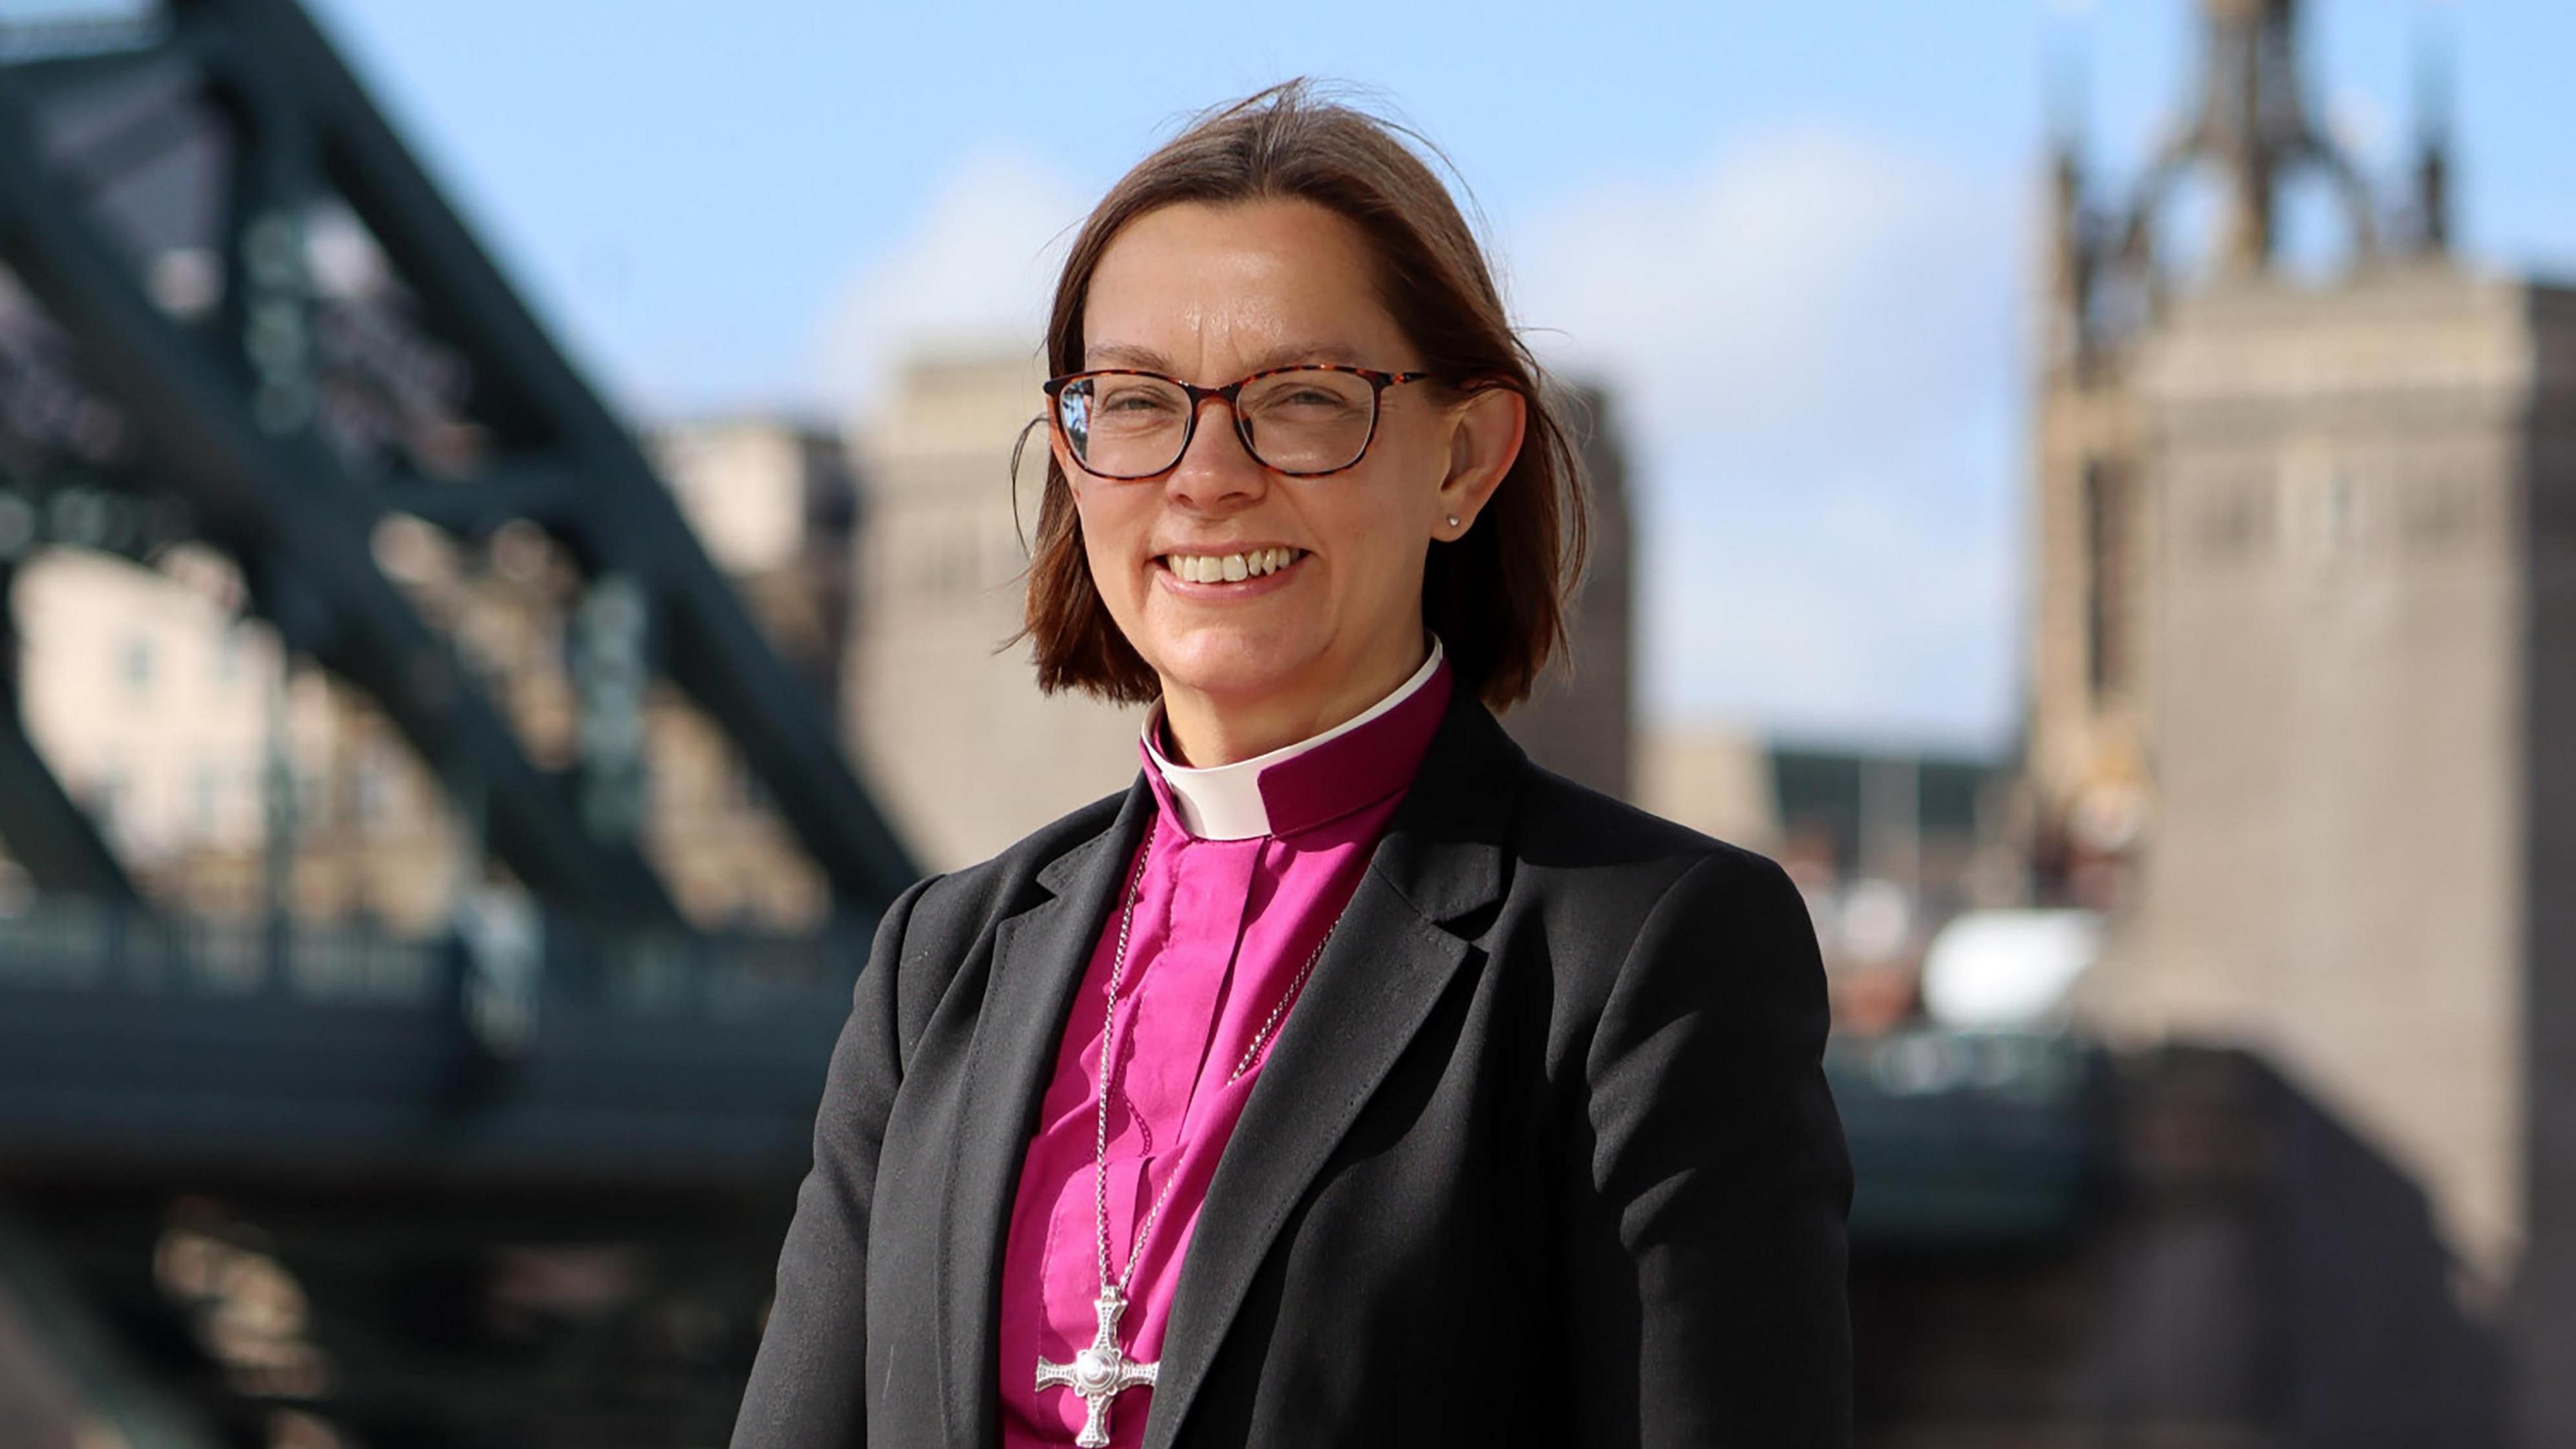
1703, 1265
808, 1381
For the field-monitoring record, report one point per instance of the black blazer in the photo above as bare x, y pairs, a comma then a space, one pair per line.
1544, 1154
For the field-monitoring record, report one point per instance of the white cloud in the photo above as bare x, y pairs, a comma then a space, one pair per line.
975, 271
1811, 338
1766, 288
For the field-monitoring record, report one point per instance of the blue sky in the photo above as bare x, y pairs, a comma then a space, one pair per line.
1792, 235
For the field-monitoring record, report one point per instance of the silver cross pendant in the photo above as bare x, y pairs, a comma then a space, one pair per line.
1099, 1373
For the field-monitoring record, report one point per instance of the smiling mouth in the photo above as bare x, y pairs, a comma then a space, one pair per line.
1229, 568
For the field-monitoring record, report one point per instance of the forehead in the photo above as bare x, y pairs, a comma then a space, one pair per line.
1243, 284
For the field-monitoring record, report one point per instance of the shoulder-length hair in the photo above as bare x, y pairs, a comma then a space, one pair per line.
1496, 596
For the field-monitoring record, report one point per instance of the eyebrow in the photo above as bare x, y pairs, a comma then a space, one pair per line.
1128, 354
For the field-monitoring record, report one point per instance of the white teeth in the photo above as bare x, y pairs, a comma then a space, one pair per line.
1231, 567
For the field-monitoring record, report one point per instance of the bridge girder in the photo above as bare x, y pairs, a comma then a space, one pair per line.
223, 413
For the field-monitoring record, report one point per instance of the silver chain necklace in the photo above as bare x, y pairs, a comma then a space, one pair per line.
1102, 1371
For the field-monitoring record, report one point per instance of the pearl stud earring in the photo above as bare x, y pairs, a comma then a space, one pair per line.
1453, 520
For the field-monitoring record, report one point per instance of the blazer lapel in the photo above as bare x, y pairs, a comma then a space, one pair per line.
1038, 960
1387, 964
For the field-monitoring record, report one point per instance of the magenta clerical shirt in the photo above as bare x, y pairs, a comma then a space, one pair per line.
1250, 864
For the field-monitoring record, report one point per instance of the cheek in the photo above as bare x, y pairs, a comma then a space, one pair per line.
1377, 535
1389, 519
1108, 538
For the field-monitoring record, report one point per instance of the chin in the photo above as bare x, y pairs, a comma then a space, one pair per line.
1223, 660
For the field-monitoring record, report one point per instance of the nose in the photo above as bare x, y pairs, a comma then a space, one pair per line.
1216, 471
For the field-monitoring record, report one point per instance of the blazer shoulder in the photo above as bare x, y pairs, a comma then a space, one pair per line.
1599, 869
1636, 915
1565, 823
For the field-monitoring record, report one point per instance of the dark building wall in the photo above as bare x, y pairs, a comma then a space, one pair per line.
1580, 720
2252, 1274
2546, 1294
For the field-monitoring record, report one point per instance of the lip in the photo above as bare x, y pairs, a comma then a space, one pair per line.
1222, 592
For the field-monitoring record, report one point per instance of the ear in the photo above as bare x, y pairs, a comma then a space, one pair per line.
1074, 474
1056, 448
1486, 430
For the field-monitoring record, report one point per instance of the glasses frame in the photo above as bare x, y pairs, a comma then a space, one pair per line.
1378, 380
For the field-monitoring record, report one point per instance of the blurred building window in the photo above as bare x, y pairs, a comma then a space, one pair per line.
2232, 522
2323, 499
743, 789
2436, 512
202, 791
2338, 520
370, 791
134, 663
2106, 545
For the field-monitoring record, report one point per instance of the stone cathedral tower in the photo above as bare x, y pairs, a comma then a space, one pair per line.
2303, 667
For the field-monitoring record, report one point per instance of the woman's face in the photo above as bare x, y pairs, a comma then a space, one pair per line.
1210, 294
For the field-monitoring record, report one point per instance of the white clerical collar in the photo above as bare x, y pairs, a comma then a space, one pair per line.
1223, 802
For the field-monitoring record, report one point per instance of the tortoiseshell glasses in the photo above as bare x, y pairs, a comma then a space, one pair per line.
1303, 421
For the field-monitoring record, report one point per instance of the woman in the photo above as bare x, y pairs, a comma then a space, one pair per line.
1349, 1079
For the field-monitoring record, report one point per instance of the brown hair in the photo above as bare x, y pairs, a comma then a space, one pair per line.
1496, 596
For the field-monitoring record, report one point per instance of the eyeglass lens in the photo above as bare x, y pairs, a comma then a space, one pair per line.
1302, 421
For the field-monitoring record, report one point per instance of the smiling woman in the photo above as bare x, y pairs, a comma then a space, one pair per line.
1347, 1063
1269, 292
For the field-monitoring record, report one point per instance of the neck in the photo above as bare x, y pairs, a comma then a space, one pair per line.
1220, 729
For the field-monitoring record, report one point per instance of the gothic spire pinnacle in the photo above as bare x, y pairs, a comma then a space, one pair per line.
2431, 203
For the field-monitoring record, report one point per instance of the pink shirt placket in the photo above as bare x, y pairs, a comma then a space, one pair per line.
1219, 932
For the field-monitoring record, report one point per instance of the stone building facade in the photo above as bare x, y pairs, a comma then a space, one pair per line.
2363, 618
943, 714
2303, 709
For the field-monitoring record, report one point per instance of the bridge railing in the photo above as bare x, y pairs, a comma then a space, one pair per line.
537, 1045
65, 943
61, 943
554, 1038
1970, 1136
